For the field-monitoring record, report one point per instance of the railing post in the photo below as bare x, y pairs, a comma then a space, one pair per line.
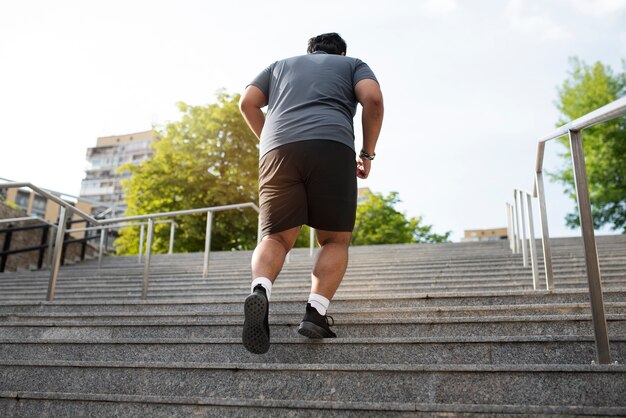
591, 252
311, 241
5, 247
545, 235
141, 232
509, 226
103, 233
83, 247
516, 221
51, 236
533, 248
146, 266
58, 250
44, 238
523, 228
207, 244
172, 226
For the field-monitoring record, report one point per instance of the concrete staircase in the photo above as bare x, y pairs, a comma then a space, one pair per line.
445, 329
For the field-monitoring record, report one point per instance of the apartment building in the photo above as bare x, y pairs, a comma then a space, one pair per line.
102, 180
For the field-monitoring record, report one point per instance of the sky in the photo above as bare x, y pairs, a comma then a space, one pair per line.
469, 86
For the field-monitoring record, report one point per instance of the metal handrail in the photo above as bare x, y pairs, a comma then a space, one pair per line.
52, 197
93, 202
109, 223
518, 211
104, 229
26, 218
123, 225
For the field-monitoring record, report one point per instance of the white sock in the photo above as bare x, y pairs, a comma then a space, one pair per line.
319, 302
265, 282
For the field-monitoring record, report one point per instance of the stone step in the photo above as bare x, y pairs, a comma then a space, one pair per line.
290, 313
354, 301
179, 267
291, 273
486, 384
371, 284
125, 327
300, 350
236, 267
432, 252
130, 294
29, 404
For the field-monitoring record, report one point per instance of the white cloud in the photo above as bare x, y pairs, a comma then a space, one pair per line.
598, 8
439, 7
527, 17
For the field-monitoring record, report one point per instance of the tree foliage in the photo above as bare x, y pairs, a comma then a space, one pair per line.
208, 158
378, 222
588, 88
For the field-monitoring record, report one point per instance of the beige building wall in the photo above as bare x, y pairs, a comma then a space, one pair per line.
52, 209
11, 195
52, 212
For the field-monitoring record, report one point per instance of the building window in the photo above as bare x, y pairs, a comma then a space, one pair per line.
22, 199
39, 206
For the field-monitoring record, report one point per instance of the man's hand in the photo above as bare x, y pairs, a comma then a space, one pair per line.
363, 166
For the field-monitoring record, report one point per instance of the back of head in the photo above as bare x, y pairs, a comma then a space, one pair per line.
331, 43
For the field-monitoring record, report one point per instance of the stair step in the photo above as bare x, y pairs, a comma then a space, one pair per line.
301, 350
528, 384
108, 327
28, 404
424, 330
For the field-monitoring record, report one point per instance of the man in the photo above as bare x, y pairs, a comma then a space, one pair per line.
307, 172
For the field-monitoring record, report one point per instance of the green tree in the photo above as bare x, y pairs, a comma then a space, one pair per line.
588, 88
378, 222
208, 158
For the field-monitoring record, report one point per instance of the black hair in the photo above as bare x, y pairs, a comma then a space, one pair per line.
331, 43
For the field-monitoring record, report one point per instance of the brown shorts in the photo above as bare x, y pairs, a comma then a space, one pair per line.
309, 182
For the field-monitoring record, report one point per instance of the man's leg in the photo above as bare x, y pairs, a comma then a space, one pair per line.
331, 262
269, 255
267, 261
328, 271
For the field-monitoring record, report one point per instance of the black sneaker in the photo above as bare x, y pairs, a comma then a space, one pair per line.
315, 325
256, 329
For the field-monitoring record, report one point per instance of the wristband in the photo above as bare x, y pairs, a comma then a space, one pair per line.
365, 155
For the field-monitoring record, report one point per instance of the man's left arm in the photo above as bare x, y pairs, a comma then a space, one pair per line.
250, 105
371, 98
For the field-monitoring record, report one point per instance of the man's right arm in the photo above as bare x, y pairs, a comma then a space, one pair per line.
368, 93
250, 105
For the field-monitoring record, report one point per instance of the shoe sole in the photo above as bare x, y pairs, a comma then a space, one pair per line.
255, 337
309, 329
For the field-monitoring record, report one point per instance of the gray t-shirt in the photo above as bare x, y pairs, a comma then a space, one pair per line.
310, 97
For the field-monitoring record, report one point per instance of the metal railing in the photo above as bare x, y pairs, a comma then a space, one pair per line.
66, 208
520, 212
207, 240
103, 245
42, 224
46, 242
